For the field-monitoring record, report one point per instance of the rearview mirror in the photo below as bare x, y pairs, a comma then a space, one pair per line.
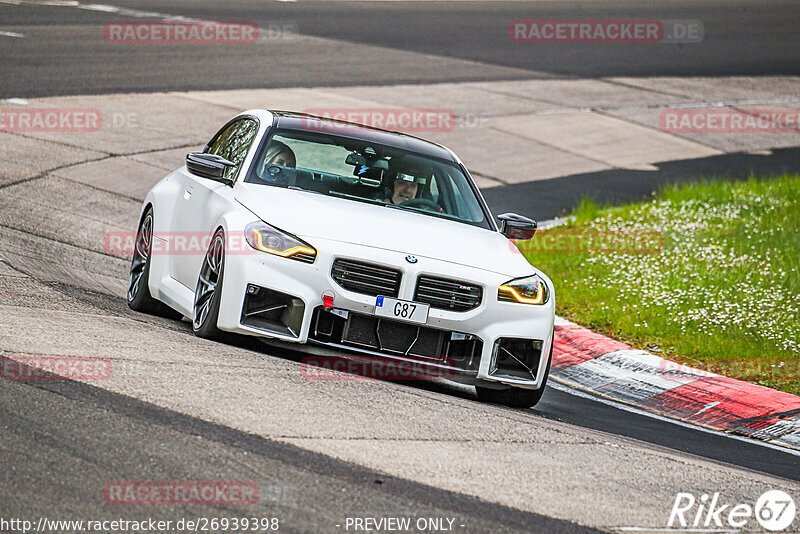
515, 226
354, 158
209, 166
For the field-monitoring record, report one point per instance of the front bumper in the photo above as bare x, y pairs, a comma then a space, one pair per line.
303, 285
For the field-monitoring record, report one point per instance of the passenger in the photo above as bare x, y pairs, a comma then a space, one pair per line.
277, 154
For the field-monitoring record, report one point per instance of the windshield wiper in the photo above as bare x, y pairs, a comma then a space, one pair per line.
295, 188
339, 194
404, 208
439, 214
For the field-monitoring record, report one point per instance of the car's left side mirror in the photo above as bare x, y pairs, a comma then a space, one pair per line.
515, 226
209, 166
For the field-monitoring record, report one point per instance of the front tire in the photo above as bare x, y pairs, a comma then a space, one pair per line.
208, 292
139, 297
516, 397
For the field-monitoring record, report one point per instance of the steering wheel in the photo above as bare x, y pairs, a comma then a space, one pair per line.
276, 174
423, 203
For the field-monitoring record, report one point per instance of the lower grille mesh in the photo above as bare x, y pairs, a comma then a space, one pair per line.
383, 336
396, 337
361, 331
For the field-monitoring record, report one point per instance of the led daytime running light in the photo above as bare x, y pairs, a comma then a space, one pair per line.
257, 235
530, 290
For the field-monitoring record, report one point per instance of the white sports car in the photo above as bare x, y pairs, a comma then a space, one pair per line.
349, 241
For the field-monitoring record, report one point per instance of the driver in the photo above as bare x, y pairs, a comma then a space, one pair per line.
405, 186
277, 154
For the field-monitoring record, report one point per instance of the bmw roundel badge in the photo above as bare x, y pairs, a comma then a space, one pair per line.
411, 259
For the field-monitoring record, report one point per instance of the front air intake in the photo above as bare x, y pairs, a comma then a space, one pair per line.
447, 294
517, 358
366, 278
272, 311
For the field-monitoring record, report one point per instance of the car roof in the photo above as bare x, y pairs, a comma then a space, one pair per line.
304, 122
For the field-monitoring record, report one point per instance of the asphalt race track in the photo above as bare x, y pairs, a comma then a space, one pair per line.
188, 409
382, 43
305, 490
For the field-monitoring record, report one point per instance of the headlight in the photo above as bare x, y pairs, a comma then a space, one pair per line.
528, 290
265, 238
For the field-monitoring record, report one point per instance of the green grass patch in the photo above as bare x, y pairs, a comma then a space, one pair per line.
707, 274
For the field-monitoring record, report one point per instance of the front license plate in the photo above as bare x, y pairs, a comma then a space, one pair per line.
404, 310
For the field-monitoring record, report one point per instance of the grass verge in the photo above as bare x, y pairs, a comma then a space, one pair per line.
706, 274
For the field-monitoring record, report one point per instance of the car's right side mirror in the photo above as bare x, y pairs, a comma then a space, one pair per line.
515, 226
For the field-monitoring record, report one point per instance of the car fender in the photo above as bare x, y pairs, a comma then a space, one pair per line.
233, 223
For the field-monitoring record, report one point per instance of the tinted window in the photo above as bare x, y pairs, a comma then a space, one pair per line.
358, 170
233, 142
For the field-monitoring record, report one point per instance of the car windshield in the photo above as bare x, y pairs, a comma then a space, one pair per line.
358, 170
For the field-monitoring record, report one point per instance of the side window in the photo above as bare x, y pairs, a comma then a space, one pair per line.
233, 142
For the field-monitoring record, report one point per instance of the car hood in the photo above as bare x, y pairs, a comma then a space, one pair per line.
310, 215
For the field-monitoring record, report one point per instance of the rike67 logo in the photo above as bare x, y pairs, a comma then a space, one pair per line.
774, 510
